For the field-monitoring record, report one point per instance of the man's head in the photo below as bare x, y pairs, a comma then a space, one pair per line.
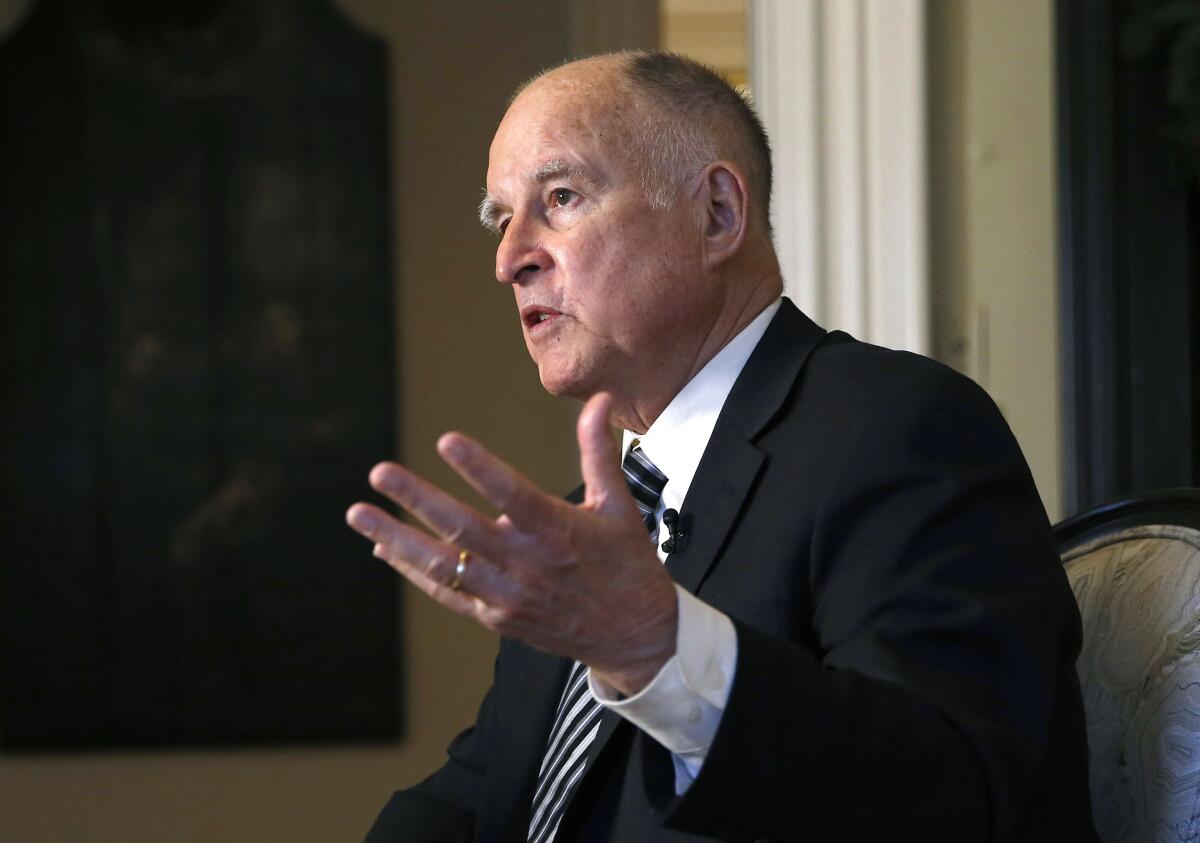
630, 192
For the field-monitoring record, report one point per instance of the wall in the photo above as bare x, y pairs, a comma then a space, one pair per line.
713, 31
993, 221
462, 365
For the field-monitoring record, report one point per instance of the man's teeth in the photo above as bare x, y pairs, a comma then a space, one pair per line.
540, 317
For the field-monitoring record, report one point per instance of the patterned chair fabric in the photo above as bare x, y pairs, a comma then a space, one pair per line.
1139, 595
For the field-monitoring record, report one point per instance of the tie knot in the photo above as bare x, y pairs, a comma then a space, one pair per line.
645, 481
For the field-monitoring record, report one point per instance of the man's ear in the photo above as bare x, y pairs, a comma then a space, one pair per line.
726, 202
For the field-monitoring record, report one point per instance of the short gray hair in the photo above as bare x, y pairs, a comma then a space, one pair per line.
695, 108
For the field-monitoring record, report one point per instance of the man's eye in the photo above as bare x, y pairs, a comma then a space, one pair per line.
561, 196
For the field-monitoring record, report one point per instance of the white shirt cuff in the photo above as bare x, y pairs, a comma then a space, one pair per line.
681, 708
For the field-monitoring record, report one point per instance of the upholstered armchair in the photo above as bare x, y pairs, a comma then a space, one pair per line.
1135, 568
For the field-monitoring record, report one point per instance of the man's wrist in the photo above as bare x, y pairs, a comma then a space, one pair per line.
682, 706
656, 645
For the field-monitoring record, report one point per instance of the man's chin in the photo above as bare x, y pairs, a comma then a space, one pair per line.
564, 384
564, 389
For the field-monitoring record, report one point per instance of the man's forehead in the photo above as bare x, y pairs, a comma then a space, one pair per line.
574, 100
573, 122
534, 147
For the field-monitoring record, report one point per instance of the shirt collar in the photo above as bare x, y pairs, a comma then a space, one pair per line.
676, 440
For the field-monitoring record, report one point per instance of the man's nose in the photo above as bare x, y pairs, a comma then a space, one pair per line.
521, 253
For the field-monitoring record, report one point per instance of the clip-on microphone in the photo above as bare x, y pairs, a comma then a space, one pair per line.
671, 522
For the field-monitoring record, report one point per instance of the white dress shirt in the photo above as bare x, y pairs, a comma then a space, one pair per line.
681, 708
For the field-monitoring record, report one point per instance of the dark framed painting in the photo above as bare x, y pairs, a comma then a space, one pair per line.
198, 343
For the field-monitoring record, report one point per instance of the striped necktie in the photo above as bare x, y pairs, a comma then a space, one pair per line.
578, 718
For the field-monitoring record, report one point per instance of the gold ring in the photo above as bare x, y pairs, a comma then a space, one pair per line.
460, 570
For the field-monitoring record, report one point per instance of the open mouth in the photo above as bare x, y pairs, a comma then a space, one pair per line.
535, 316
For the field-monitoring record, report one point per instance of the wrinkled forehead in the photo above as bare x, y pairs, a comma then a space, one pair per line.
562, 115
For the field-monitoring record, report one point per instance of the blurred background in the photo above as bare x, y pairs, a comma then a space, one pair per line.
1006, 185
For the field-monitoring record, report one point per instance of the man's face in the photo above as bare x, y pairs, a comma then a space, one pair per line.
599, 276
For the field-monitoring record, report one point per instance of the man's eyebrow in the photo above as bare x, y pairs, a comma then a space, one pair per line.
489, 212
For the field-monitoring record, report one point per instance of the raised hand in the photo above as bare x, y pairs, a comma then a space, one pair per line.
577, 580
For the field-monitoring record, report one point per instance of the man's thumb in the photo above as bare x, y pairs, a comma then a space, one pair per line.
597, 451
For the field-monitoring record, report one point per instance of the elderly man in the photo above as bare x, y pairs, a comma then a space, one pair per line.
861, 630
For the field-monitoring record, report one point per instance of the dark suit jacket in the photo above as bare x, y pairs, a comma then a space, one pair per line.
906, 636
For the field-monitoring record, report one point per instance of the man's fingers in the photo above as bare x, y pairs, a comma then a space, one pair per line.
502, 485
447, 516
428, 563
602, 476
418, 550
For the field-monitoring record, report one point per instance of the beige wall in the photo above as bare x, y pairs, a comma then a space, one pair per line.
993, 222
462, 365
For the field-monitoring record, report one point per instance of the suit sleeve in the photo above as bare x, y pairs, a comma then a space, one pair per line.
442, 808
941, 621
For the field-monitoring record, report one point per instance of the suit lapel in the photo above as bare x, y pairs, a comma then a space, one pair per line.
725, 477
